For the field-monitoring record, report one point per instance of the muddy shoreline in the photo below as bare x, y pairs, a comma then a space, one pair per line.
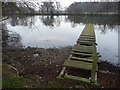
42, 66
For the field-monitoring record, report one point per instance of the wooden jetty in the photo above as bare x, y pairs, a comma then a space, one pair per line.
82, 64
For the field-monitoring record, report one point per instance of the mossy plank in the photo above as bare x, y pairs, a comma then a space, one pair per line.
86, 42
85, 48
76, 78
83, 51
62, 73
87, 36
81, 59
86, 39
82, 54
78, 64
80, 79
88, 30
94, 68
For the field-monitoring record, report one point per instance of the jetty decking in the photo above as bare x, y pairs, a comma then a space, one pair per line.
82, 64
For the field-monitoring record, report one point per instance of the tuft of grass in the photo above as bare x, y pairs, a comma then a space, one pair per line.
11, 79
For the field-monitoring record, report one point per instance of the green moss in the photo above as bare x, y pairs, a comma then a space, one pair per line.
78, 64
11, 79
13, 83
77, 78
89, 30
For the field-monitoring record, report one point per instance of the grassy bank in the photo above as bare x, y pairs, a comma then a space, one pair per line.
11, 79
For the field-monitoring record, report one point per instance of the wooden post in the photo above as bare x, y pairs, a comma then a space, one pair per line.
94, 68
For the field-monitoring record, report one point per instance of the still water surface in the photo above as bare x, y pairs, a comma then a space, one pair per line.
61, 31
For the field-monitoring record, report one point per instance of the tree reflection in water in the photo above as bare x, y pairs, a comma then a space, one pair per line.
105, 23
22, 20
48, 21
51, 21
30, 21
10, 40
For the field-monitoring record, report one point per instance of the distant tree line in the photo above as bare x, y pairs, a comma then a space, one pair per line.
55, 7
49, 7
78, 7
30, 7
17, 7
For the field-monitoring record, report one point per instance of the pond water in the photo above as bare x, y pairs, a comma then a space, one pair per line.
61, 31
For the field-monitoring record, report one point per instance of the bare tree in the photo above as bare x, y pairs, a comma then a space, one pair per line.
47, 7
13, 7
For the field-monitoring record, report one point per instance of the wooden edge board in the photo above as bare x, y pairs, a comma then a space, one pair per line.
84, 54
78, 64
77, 78
82, 59
83, 36
89, 42
87, 39
62, 73
81, 79
85, 51
86, 35
93, 38
94, 68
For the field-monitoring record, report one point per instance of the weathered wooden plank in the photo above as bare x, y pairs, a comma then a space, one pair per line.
82, 54
87, 36
76, 78
94, 68
78, 64
81, 59
85, 48
88, 30
86, 39
83, 35
86, 42
91, 36
80, 79
62, 73
83, 51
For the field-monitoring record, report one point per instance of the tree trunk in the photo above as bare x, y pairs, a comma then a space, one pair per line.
31, 11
